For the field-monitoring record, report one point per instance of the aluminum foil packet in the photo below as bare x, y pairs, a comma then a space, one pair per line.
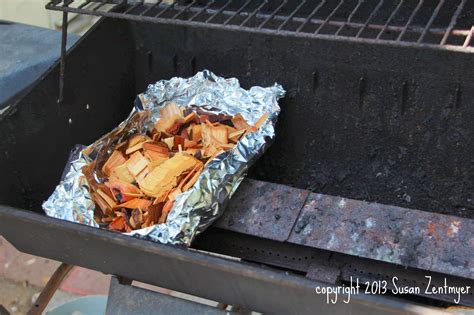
198, 207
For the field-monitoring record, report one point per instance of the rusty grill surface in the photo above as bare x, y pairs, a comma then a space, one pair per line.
407, 237
271, 214
415, 23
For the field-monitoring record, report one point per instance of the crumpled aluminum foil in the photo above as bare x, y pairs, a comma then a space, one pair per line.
198, 207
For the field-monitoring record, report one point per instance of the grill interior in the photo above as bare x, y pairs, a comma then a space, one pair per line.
403, 22
381, 123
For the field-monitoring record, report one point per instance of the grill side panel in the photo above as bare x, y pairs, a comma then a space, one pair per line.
38, 133
371, 122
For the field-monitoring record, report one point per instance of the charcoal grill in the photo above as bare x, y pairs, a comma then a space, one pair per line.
378, 111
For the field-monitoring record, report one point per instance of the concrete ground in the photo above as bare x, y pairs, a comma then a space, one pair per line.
22, 277
18, 297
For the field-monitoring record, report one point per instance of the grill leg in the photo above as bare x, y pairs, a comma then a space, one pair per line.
50, 288
62, 64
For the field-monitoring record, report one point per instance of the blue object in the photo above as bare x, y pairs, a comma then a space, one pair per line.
26, 52
88, 305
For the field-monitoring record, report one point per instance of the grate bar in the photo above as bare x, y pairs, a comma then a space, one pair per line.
237, 12
202, 10
264, 3
219, 11
329, 17
104, 2
270, 17
291, 15
67, 3
349, 19
133, 7
467, 42
453, 22
439, 31
370, 18
154, 6
394, 12
84, 4
432, 18
312, 14
122, 3
253, 16
412, 16
165, 10
184, 9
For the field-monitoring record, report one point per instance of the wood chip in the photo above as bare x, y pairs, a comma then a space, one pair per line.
156, 162
192, 181
141, 176
214, 136
190, 118
166, 210
116, 159
174, 193
136, 139
169, 115
196, 133
261, 120
235, 136
169, 142
136, 218
123, 187
136, 147
154, 214
165, 123
153, 155
171, 110
239, 122
123, 191
178, 141
156, 148
190, 144
120, 146
103, 205
136, 203
118, 224
176, 126
185, 182
121, 173
136, 163
230, 129
156, 136
107, 198
88, 171
164, 177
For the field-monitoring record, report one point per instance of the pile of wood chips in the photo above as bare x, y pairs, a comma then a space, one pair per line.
146, 172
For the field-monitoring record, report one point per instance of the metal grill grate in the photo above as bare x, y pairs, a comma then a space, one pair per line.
434, 23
